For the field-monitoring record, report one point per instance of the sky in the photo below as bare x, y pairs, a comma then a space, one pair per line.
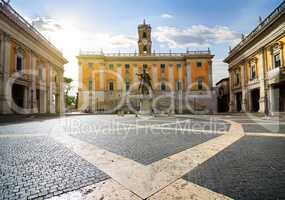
111, 25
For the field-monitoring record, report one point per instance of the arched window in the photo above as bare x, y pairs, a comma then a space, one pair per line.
144, 49
144, 35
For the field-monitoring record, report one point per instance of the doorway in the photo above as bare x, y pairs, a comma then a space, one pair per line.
18, 95
238, 101
255, 95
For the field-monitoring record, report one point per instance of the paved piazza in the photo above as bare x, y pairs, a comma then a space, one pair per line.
147, 157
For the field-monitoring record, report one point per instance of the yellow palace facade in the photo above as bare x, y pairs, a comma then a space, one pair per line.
107, 80
31, 68
257, 67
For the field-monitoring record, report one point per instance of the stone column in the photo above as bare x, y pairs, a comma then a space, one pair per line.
154, 75
232, 96
210, 75
34, 105
120, 80
261, 75
243, 86
136, 79
48, 88
282, 53
61, 93
26, 101
273, 100
171, 77
4, 97
188, 75
180, 93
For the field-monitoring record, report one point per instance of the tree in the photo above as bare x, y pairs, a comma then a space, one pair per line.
70, 100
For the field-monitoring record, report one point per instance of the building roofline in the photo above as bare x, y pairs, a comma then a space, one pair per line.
224, 79
272, 17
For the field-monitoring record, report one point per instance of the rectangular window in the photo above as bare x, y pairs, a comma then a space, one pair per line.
178, 85
90, 65
179, 66
162, 67
19, 64
253, 72
237, 81
90, 84
127, 68
145, 66
200, 84
277, 60
111, 86
199, 64
111, 67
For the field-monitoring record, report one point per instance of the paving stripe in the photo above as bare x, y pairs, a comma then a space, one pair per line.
22, 135
107, 190
191, 130
185, 190
266, 134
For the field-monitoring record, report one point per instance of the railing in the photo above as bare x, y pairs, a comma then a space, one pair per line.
280, 9
19, 20
96, 53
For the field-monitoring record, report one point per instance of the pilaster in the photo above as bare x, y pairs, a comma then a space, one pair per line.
188, 75
243, 85
4, 97
171, 78
34, 105
232, 99
210, 84
261, 75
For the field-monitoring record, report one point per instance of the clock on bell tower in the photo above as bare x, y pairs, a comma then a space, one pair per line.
144, 42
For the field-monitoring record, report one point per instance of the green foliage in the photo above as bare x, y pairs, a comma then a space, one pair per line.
69, 99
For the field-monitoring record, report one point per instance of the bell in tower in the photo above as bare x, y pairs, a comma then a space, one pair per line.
144, 42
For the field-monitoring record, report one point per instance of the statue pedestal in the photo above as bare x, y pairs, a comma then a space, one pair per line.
145, 106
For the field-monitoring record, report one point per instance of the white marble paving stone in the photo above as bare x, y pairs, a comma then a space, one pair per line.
184, 190
105, 190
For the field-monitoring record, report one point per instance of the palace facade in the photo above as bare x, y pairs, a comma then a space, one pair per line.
180, 81
31, 68
256, 67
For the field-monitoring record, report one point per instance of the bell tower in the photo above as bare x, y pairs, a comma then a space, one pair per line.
144, 43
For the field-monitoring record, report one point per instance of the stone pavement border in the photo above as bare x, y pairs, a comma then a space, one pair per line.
146, 181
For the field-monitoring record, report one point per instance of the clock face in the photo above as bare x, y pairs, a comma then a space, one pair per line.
144, 41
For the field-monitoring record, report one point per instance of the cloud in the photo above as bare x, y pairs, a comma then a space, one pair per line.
70, 38
196, 35
64, 35
167, 16
220, 70
45, 24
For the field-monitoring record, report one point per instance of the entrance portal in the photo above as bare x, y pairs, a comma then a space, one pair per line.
238, 101
255, 95
18, 94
